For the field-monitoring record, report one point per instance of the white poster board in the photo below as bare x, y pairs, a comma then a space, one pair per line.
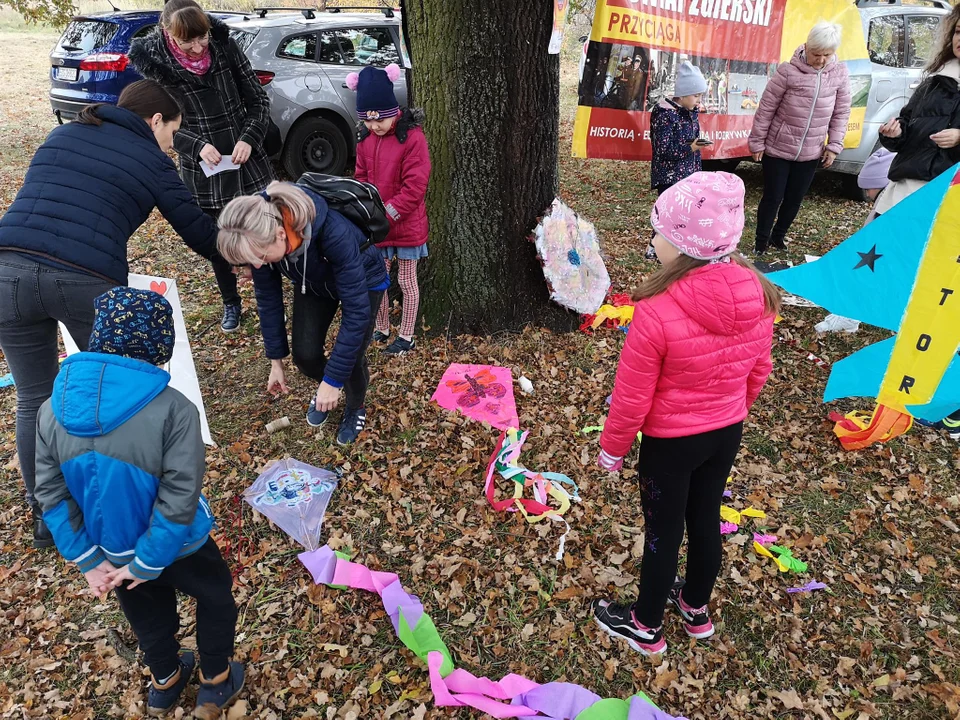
183, 373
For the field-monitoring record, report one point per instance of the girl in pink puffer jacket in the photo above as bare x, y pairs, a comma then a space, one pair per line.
696, 356
806, 103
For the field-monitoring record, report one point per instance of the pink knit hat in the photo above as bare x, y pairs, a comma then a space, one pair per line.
702, 215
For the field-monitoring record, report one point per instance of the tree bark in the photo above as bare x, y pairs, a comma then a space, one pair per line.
491, 96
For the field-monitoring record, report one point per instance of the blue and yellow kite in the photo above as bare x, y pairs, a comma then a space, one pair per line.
901, 272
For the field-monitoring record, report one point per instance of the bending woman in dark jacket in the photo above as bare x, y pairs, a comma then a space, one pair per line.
289, 230
925, 136
63, 241
227, 115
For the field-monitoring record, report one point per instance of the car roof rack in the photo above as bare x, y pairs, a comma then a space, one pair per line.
309, 12
382, 7
940, 4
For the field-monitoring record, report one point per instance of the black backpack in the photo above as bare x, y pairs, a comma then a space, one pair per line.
358, 202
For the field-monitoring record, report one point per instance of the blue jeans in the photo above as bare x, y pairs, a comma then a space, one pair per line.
33, 297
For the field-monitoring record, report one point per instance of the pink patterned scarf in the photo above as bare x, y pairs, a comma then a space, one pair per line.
198, 66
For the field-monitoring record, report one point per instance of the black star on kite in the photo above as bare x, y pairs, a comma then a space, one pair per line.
868, 259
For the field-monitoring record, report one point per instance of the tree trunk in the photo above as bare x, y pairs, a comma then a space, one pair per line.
491, 95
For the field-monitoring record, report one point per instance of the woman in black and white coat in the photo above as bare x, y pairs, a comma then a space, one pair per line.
227, 115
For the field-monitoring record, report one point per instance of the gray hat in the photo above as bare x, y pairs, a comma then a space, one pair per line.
689, 81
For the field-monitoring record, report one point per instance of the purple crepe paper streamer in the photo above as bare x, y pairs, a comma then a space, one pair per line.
727, 493
395, 600
609, 399
809, 587
558, 701
321, 564
764, 539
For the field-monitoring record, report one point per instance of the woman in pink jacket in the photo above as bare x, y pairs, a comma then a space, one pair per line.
806, 103
392, 155
695, 359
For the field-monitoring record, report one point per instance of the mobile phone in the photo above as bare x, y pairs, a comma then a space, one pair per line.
703, 142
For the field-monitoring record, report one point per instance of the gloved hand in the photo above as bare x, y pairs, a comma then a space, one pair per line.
609, 462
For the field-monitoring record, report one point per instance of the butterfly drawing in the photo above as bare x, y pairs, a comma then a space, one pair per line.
470, 391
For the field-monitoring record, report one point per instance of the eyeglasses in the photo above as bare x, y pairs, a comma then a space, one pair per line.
202, 41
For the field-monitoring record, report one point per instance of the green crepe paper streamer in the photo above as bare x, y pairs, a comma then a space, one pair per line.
341, 556
612, 709
592, 429
787, 558
609, 709
423, 640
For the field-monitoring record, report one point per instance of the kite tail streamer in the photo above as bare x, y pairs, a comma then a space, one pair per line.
511, 697
855, 432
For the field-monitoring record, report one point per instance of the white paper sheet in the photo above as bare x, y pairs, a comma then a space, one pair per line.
224, 165
183, 373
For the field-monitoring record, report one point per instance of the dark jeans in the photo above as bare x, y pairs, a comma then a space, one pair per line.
785, 183
223, 271
682, 482
33, 297
661, 189
151, 609
312, 316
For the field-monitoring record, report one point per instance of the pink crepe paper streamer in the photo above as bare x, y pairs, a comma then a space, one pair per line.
809, 587
764, 539
728, 528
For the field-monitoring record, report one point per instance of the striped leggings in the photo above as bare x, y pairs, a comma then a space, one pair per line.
411, 300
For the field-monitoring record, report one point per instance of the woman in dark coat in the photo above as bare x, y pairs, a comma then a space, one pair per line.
227, 115
63, 241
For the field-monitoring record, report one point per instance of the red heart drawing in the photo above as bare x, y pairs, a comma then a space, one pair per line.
158, 287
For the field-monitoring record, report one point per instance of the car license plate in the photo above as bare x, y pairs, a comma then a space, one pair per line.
66, 74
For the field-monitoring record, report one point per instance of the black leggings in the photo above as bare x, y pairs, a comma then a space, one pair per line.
785, 183
682, 480
223, 272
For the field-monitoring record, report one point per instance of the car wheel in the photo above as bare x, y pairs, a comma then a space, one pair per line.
315, 145
851, 189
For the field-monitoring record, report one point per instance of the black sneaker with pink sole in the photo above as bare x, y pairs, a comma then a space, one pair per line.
696, 621
618, 621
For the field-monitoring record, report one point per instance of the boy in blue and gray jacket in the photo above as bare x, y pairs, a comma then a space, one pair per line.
120, 465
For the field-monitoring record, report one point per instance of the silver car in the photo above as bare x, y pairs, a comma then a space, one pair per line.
302, 58
901, 39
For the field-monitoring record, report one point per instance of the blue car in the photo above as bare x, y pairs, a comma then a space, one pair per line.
90, 63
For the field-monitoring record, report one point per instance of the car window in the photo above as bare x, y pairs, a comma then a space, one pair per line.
368, 46
885, 43
243, 38
299, 47
330, 48
144, 31
921, 39
87, 35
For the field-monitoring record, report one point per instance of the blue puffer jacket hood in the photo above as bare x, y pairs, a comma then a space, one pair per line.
120, 464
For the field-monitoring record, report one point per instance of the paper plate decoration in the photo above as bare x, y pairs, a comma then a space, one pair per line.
183, 373
513, 696
570, 253
902, 273
543, 486
481, 392
294, 496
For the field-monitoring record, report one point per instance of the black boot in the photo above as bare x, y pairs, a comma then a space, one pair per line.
41, 533
778, 242
761, 245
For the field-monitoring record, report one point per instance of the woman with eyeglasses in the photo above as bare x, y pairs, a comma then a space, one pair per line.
289, 230
227, 116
